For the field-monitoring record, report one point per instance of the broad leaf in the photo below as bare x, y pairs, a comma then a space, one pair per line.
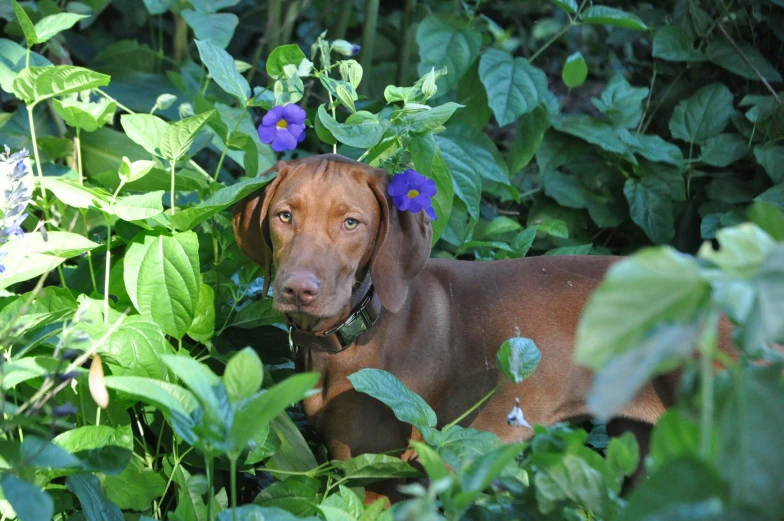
217, 28
37, 84
528, 137
145, 130
361, 129
377, 466
12, 62
203, 326
514, 87
95, 505
137, 207
429, 162
650, 205
28, 501
179, 137
518, 358
28, 29
49, 26
135, 488
672, 43
771, 158
289, 54
243, 375
408, 406
724, 149
443, 44
703, 115
574, 71
223, 70
60, 244
621, 102
600, 14
162, 278
725, 56
100, 447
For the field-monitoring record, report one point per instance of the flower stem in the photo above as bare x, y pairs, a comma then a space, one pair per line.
171, 196
476, 405
226, 145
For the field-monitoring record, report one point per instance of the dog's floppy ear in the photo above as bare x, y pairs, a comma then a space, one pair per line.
402, 248
250, 224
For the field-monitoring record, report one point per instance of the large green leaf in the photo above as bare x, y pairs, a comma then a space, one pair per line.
518, 358
202, 328
243, 375
377, 466
137, 207
655, 286
480, 473
161, 275
95, 505
650, 206
514, 86
100, 447
199, 379
600, 14
223, 70
134, 347
574, 71
621, 102
672, 43
725, 56
217, 28
724, 149
85, 115
37, 84
51, 25
61, 244
703, 115
528, 137
408, 406
289, 54
771, 158
145, 130
598, 132
361, 129
443, 44
28, 29
433, 118
135, 488
28, 501
429, 162
12, 62
179, 137
190, 217
24, 266
298, 495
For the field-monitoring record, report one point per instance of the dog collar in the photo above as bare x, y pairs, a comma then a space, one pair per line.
343, 336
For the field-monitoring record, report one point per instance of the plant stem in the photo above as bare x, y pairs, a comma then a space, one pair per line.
226, 146
78, 150
171, 196
180, 38
476, 405
369, 30
210, 492
551, 41
233, 485
273, 24
30, 119
405, 44
106, 269
343, 18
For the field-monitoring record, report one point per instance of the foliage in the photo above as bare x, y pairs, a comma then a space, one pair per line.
547, 128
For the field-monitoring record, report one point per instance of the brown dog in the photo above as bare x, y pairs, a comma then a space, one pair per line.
329, 228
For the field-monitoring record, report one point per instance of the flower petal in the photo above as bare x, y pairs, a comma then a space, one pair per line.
398, 185
272, 117
267, 134
293, 114
284, 141
296, 130
416, 204
428, 188
431, 213
402, 202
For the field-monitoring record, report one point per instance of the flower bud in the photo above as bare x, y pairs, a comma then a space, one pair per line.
345, 48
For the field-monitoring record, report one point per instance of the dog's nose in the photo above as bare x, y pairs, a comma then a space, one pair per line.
301, 287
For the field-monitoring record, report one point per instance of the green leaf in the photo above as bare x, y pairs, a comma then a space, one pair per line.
297, 494
263, 407
162, 278
598, 132
49, 26
224, 71
136, 170
433, 118
256, 513
742, 249
137, 207
771, 158
199, 379
28, 501
87, 116
654, 148
179, 137
40, 453
203, 326
20, 267
408, 406
429, 162
517, 358
600, 14
217, 28
571, 478
335, 514
457, 445
95, 505
36, 309
528, 137
574, 71
189, 218
621, 102
570, 6
26, 24
675, 436
621, 378
481, 472
652, 287
72, 194
523, 241
724, 149
135, 488
767, 217
145, 130
582, 249
100, 447
650, 205
514, 87
289, 54
750, 416
377, 466
60, 244
12, 62
443, 44
672, 43
431, 461
243, 375
361, 129
703, 115
725, 56
37, 84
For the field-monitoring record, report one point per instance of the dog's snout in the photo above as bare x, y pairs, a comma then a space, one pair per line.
301, 288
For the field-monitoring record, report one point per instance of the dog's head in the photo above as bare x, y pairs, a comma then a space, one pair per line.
322, 223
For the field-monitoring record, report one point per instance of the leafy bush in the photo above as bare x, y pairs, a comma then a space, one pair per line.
548, 128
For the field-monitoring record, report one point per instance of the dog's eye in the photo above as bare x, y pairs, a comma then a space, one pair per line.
285, 217
350, 224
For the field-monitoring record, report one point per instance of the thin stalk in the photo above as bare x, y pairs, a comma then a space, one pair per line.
707, 347
572, 23
108, 265
273, 24
78, 150
31, 120
89, 253
343, 18
177, 462
369, 31
171, 196
233, 485
210, 492
476, 405
405, 43
288, 24
226, 145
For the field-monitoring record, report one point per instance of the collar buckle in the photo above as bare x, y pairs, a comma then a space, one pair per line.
356, 324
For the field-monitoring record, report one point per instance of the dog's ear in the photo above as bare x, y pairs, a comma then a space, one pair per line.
402, 248
250, 223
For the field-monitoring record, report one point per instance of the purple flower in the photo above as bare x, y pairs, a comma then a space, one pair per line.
411, 191
283, 127
355, 49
